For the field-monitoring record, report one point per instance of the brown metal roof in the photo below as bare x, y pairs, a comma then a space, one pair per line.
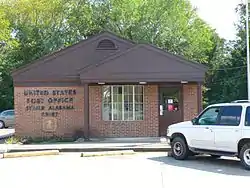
69, 49
122, 61
144, 63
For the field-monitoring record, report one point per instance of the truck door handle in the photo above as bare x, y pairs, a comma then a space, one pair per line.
209, 129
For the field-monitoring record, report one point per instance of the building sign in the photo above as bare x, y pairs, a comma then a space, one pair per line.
49, 102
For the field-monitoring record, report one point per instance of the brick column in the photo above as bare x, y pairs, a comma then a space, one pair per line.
86, 111
190, 101
199, 97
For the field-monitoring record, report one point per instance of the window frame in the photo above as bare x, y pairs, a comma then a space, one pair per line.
6, 113
219, 107
218, 124
245, 120
112, 103
225, 125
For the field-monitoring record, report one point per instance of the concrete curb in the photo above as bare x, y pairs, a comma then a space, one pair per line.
135, 149
30, 154
169, 154
107, 153
6, 136
143, 149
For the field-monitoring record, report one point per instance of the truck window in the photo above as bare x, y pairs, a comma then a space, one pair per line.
230, 116
247, 118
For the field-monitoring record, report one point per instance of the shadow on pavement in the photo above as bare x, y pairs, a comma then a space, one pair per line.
208, 164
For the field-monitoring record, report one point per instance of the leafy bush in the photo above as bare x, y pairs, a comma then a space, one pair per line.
13, 140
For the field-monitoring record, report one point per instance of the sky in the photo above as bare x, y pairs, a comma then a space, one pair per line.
219, 14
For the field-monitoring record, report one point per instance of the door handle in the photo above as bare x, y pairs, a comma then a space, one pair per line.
209, 129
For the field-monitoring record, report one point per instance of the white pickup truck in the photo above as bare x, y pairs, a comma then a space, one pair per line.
219, 130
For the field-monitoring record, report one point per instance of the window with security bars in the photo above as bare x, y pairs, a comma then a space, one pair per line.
122, 103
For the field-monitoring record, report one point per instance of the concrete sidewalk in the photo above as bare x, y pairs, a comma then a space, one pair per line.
138, 144
87, 147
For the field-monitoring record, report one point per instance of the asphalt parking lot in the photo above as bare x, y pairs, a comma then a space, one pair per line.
140, 170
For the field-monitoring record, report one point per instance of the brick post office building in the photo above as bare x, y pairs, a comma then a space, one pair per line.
106, 86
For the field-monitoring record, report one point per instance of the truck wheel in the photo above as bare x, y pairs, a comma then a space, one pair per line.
179, 148
245, 156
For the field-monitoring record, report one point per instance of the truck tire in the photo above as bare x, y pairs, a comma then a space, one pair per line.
245, 156
179, 148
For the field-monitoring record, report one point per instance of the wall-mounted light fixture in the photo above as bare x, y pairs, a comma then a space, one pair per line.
101, 83
142, 82
184, 82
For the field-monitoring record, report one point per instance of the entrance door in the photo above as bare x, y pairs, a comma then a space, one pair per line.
170, 107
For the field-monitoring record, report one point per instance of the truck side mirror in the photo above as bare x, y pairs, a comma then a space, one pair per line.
194, 121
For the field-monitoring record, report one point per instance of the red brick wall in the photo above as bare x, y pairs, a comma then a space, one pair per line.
148, 127
32, 123
190, 102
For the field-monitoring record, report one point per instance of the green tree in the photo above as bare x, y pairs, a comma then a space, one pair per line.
171, 25
227, 79
39, 27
